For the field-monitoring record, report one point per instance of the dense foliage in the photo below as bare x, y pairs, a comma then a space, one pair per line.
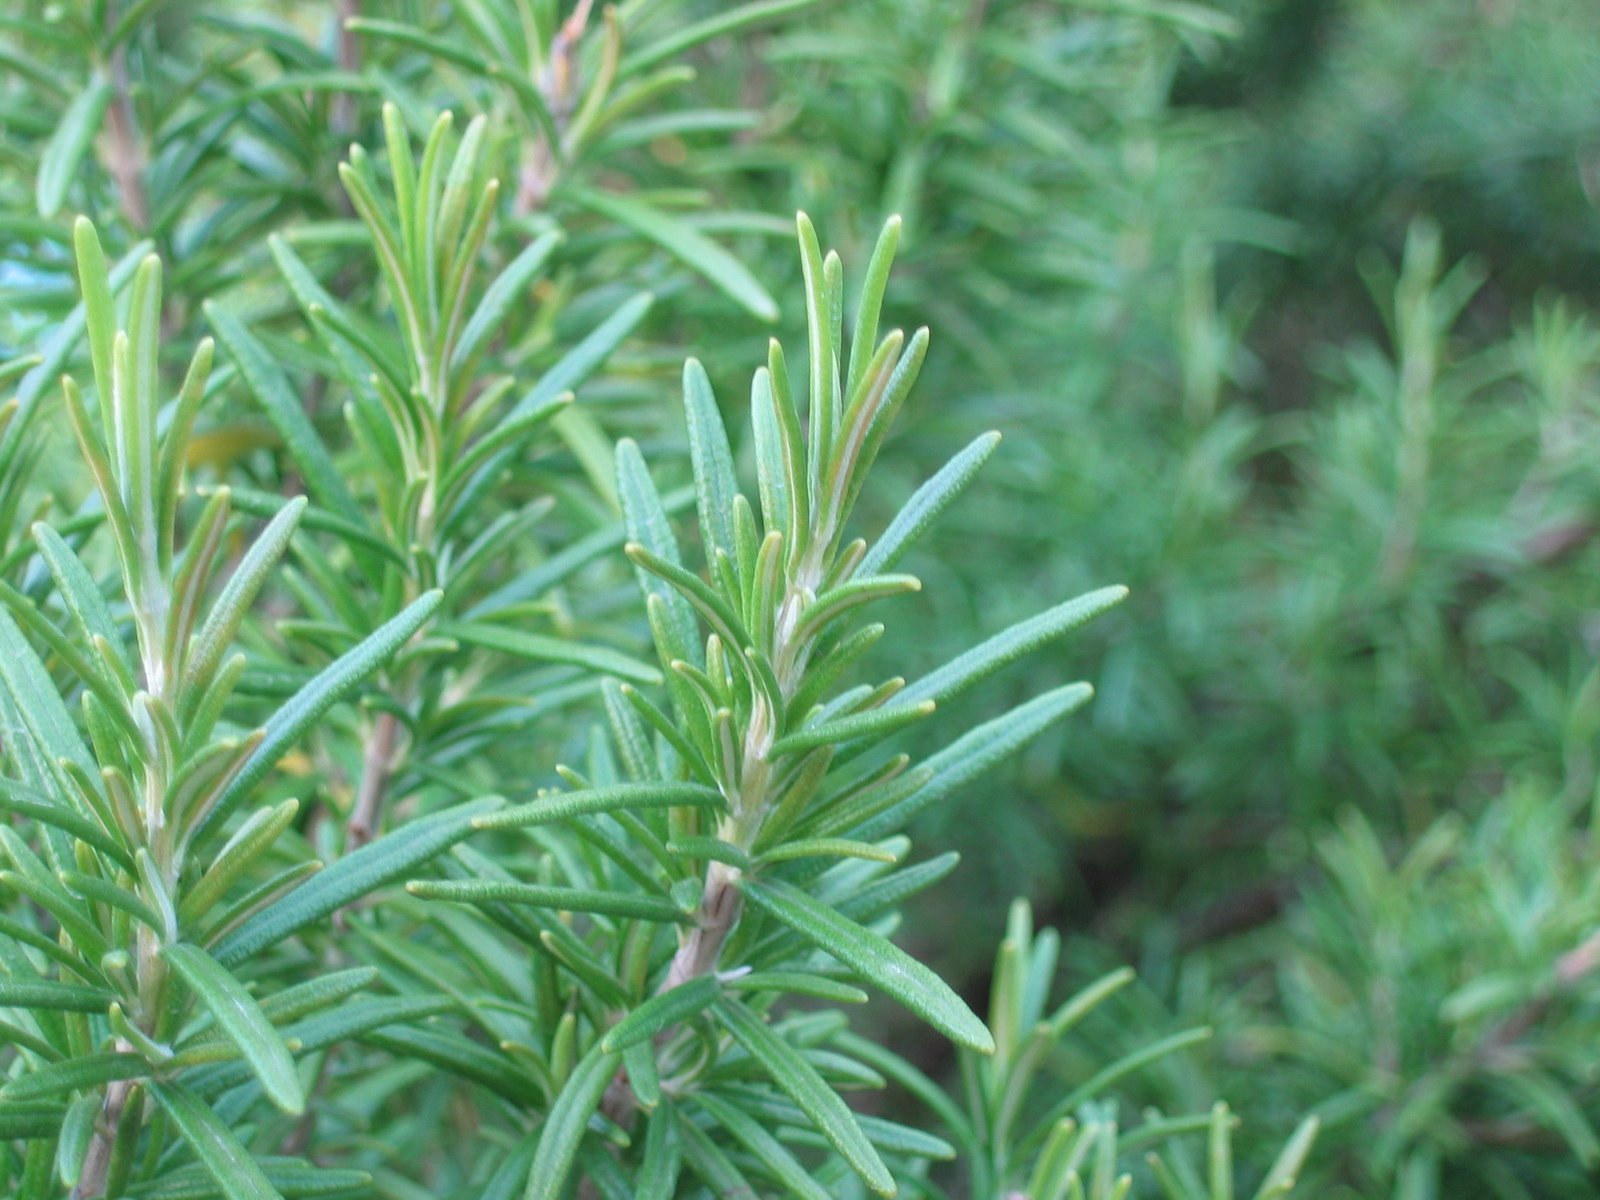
455, 738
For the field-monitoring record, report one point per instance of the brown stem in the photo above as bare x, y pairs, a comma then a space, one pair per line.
377, 766
719, 913
97, 1162
1572, 968
342, 113
557, 84
124, 153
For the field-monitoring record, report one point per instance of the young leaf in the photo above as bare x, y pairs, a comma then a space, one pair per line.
647, 524
713, 461
1286, 1167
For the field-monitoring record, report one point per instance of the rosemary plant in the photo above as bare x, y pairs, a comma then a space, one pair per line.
743, 844
435, 436
122, 994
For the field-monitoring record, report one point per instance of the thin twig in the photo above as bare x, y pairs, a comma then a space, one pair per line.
124, 151
377, 767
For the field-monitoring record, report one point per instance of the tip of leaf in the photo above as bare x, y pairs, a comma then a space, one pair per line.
981, 1045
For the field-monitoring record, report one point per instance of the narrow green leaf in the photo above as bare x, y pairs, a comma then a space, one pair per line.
685, 243
976, 751
254, 838
875, 959
225, 1160
72, 1074
565, 899
33, 1120
799, 1080
78, 590
710, 603
577, 364
460, 1056
827, 848
25, 802
876, 282
926, 503
658, 1172
241, 1018
1127, 1065
222, 623
670, 1008
374, 865
268, 384
1008, 646
508, 289
330, 685
714, 849
781, 1165
61, 997
564, 1127
511, 1175
77, 1131
52, 735
63, 154
542, 648
647, 525
743, 17
624, 797
712, 459
708, 1161
293, 1177
799, 983
1286, 1167
876, 723
102, 891
644, 1077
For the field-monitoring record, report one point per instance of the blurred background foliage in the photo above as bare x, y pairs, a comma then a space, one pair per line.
1283, 307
